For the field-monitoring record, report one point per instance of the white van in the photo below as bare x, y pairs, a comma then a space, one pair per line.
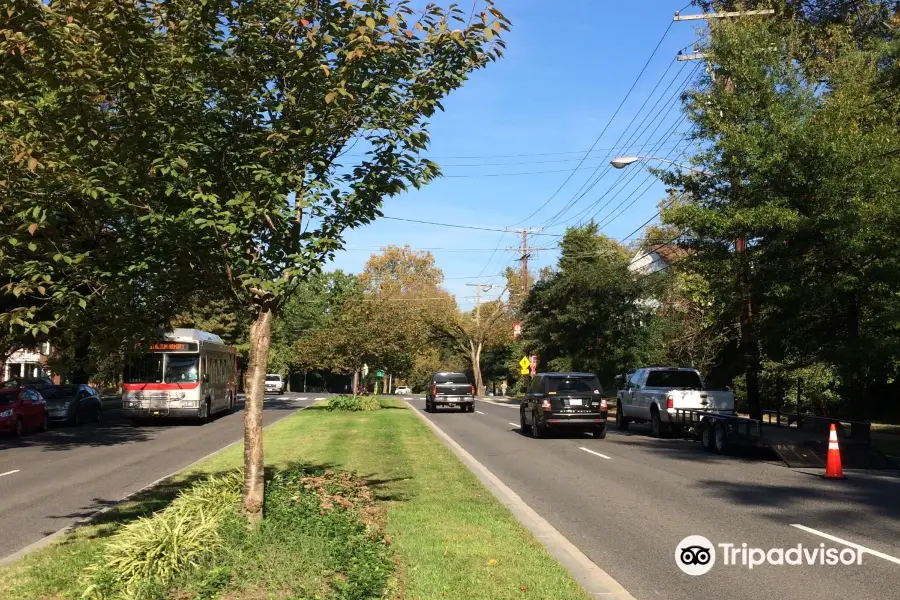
274, 384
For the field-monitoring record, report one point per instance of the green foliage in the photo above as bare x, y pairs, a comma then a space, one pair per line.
586, 315
323, 532
800, 131
146, 555
353, 403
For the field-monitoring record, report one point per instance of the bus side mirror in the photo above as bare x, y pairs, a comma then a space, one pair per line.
206, 378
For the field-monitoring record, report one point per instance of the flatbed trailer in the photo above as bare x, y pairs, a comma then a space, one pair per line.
798, 440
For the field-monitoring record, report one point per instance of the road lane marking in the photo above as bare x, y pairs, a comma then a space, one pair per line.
322, 398
499, 403
596, 453
10, 472
514, 424
410, 398
834, 538
47, 539
479, 412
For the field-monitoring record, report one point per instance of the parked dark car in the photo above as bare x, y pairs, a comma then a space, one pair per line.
450, 389
563, 402
74, 404
22, 409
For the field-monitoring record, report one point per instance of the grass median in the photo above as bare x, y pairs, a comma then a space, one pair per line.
447, 537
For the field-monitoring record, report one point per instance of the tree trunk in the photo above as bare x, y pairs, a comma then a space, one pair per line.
475, 357
81, 365
254, 468
355, 382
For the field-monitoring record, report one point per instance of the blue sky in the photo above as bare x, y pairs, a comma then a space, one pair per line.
566, 70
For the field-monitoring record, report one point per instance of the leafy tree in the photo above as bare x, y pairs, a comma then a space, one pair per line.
211, 137
386, 324
800, 146
309, 308
587, 314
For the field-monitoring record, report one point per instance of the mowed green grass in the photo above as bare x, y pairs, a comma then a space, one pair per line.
451, 538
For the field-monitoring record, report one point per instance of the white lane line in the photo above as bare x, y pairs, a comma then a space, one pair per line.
10, 472
421, 398
596, 453
834, 538
322, 398
409, 398
479, 412
514, 424
499, 403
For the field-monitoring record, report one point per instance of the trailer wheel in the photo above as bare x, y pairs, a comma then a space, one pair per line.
719, 437
706, 436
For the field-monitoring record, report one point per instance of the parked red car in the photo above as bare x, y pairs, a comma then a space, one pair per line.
22, 409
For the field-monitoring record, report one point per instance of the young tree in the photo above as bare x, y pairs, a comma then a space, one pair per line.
221, 130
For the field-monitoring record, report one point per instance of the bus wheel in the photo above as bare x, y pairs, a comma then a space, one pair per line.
207, 412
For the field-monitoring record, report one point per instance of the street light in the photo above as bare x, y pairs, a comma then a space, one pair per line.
620, 162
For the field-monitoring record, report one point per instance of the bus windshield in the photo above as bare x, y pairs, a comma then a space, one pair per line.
147, 368
182, 368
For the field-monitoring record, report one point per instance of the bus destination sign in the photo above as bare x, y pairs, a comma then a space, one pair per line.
174, 347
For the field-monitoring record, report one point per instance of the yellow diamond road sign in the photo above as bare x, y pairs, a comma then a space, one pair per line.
525, 363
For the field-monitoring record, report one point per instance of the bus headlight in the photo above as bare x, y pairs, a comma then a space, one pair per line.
188, 404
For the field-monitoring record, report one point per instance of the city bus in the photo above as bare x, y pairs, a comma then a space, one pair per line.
189, 374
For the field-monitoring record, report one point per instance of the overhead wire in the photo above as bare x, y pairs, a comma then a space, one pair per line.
581, 192
608, 123
642, 127
456, 225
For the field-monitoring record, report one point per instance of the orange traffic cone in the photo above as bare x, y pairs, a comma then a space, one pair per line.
833, 468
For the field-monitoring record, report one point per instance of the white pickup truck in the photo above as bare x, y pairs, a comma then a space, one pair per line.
654, 393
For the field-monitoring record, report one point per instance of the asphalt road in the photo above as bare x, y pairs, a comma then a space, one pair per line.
627, 501
48, 481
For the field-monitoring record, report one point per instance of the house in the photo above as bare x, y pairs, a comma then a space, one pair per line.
655, 258
26, 363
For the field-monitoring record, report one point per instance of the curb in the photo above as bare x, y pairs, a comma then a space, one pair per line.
592, 578
49, 539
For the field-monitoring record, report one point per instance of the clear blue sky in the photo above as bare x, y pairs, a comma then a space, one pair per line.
567, 68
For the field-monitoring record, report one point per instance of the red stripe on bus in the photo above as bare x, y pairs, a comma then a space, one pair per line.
159, 386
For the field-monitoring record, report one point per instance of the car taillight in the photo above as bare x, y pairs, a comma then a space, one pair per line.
603, 404
473, 389
434, 390
670, 402
545, 404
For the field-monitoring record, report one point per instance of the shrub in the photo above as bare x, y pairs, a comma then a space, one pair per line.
144, 556
353, 403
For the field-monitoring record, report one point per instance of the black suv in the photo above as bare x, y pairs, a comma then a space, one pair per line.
450, 389
563, 402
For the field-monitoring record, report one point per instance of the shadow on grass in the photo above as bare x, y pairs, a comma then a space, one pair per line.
143, 504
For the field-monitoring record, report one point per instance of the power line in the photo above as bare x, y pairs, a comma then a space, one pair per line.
524, 162
608, 123
636, 135
456, 225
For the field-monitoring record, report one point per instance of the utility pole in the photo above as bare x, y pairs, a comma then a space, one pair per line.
749, 342
479, 287
525, 253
